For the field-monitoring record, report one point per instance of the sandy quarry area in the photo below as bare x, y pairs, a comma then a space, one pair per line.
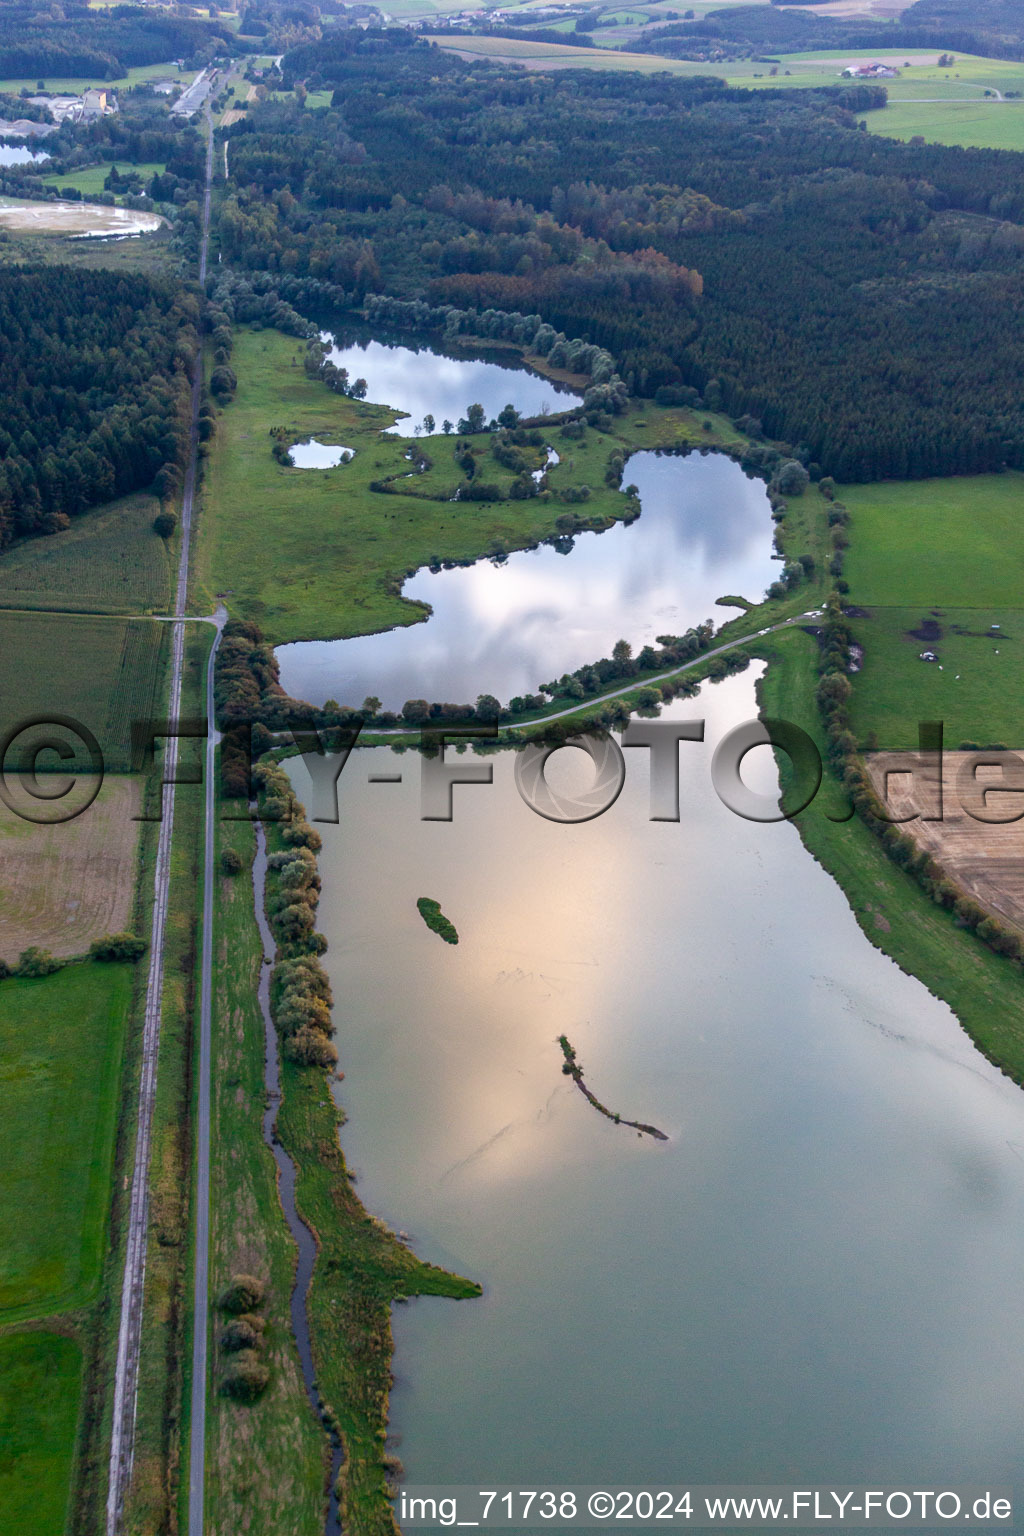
81, 220
985, 858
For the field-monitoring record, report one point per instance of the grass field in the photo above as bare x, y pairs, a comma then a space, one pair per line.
61, 1039
104, 673
57, 86
108, 561
40, 1391
958, 541
63, 886
974, 125
90, 181
314, 554
949, 554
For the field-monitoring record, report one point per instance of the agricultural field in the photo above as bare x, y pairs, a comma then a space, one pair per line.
90, 181
315, 554
957, 541
547, 56
62, 886
973, 125
985, 859
933, 565
138, 75
108, 561
61, 1045
103, 672
40, 1391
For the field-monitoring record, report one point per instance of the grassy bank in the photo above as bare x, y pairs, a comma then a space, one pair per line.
280, 1490
315, 554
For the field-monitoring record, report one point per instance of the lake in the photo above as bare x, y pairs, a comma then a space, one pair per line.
817, 1277
705, 532
11, 154
421, 380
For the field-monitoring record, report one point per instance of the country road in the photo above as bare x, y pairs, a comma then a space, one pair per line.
126, 1379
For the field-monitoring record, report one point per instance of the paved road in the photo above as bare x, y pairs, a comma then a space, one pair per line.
126, 1378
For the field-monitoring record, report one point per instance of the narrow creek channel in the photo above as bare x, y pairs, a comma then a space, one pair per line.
304, 1240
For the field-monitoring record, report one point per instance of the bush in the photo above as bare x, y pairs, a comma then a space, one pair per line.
118, 946
792, 479
37, 962
230, 862
309, 1048
164, 524
246, 1378
241, 1333
243, 1293
5, 970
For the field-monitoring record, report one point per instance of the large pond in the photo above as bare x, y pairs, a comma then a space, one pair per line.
819, 1275
705, 532
420, 381
17, 154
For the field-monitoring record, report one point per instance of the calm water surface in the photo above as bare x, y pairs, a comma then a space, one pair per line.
314, 455
705, 532
819, 1276
18, 154
422, 380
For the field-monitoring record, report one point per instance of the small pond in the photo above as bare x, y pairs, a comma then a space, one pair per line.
314, 455
421, 381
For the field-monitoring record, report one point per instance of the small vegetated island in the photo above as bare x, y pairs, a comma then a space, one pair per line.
431, 913
572, 1068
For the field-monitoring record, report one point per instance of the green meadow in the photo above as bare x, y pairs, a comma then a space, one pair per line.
108, 561
933, 565
958, 541
982, 124
104, 672
315, 554
61, 1042
90, 181
40, 1391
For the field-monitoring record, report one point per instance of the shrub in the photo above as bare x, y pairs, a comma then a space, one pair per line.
240, 1333
118, 946
243, 1293
37, 962
230, 862
164, 524
246, 1378
309, 1048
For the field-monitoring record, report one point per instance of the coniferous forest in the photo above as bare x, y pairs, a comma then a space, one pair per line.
94, 380
861, 297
